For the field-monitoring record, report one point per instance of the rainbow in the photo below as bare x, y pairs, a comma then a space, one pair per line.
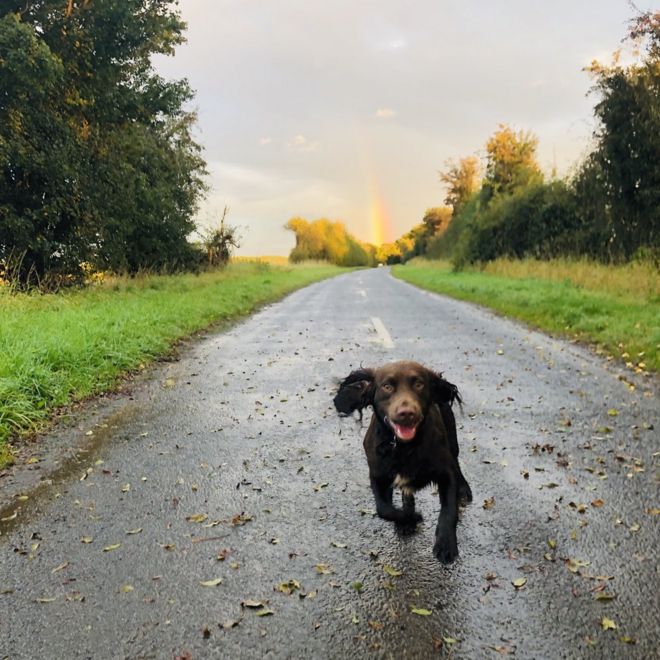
380, 223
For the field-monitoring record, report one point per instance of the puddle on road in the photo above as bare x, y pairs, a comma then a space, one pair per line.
81, 456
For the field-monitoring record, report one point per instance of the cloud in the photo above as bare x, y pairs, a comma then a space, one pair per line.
265, 140
396, 44
385, 113
301, 143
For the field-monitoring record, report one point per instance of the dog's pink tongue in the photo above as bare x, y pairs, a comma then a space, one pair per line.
404, 432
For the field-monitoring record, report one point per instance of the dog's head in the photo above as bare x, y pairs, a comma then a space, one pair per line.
400, 393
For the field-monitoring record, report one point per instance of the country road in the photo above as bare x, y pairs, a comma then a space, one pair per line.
224, 510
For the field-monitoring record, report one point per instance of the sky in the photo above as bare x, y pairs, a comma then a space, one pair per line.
348, 109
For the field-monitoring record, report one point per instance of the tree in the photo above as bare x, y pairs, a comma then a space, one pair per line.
219, 243
628, 143
97, 159
327, 241
462, 180
40, 193
511, 162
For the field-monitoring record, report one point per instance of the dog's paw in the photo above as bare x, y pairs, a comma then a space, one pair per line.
464, 493
445, 550
408, 523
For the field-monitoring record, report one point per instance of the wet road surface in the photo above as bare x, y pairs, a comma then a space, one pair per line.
224, 509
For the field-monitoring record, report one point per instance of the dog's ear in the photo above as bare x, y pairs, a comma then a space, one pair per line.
355, 392
442, 391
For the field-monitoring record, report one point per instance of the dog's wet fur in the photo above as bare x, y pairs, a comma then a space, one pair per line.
410, 443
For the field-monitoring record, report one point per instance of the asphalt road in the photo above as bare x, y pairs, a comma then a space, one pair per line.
230, 464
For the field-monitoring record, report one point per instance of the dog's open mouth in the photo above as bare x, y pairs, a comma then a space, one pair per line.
404, 432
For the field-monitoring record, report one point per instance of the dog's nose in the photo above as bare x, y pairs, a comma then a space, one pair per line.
406, 414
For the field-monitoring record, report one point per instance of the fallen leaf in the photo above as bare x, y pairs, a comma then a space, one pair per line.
421, 611
612, 412
211, 583
110, 548
597, 503
241, 518
503, 650
519, 583
126, 588
131, 532
391, 571
253, 603
627, 640
125, 488
337, 544
603, 595
228, 625
61, 567
607, 624
318, 487
289, 587
324, 569
45, 600
197, 517
489, 503
264, 612
86, 539
574, 565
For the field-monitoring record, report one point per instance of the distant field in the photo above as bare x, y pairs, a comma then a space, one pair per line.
616, 308
59, 348
273, 260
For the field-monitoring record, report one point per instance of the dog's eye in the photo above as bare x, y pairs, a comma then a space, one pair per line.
388, 387
418, 385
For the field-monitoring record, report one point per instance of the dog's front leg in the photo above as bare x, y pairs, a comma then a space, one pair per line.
382, 490
410, 517
446, 546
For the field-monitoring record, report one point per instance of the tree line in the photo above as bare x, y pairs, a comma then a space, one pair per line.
98, 165
608, 210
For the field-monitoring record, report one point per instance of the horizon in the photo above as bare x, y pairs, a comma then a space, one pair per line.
348, 112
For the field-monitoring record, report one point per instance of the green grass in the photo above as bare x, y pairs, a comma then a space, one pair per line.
60, 348
623, 324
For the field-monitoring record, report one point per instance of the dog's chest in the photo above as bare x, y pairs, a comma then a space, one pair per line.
408, 472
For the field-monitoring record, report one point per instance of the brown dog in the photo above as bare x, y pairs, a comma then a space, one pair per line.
410, 443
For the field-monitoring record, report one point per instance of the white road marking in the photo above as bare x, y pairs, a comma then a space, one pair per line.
382, 332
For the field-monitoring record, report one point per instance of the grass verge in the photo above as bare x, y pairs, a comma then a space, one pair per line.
60, 348
598, 305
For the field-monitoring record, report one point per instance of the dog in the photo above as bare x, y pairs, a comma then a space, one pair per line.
410, 443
